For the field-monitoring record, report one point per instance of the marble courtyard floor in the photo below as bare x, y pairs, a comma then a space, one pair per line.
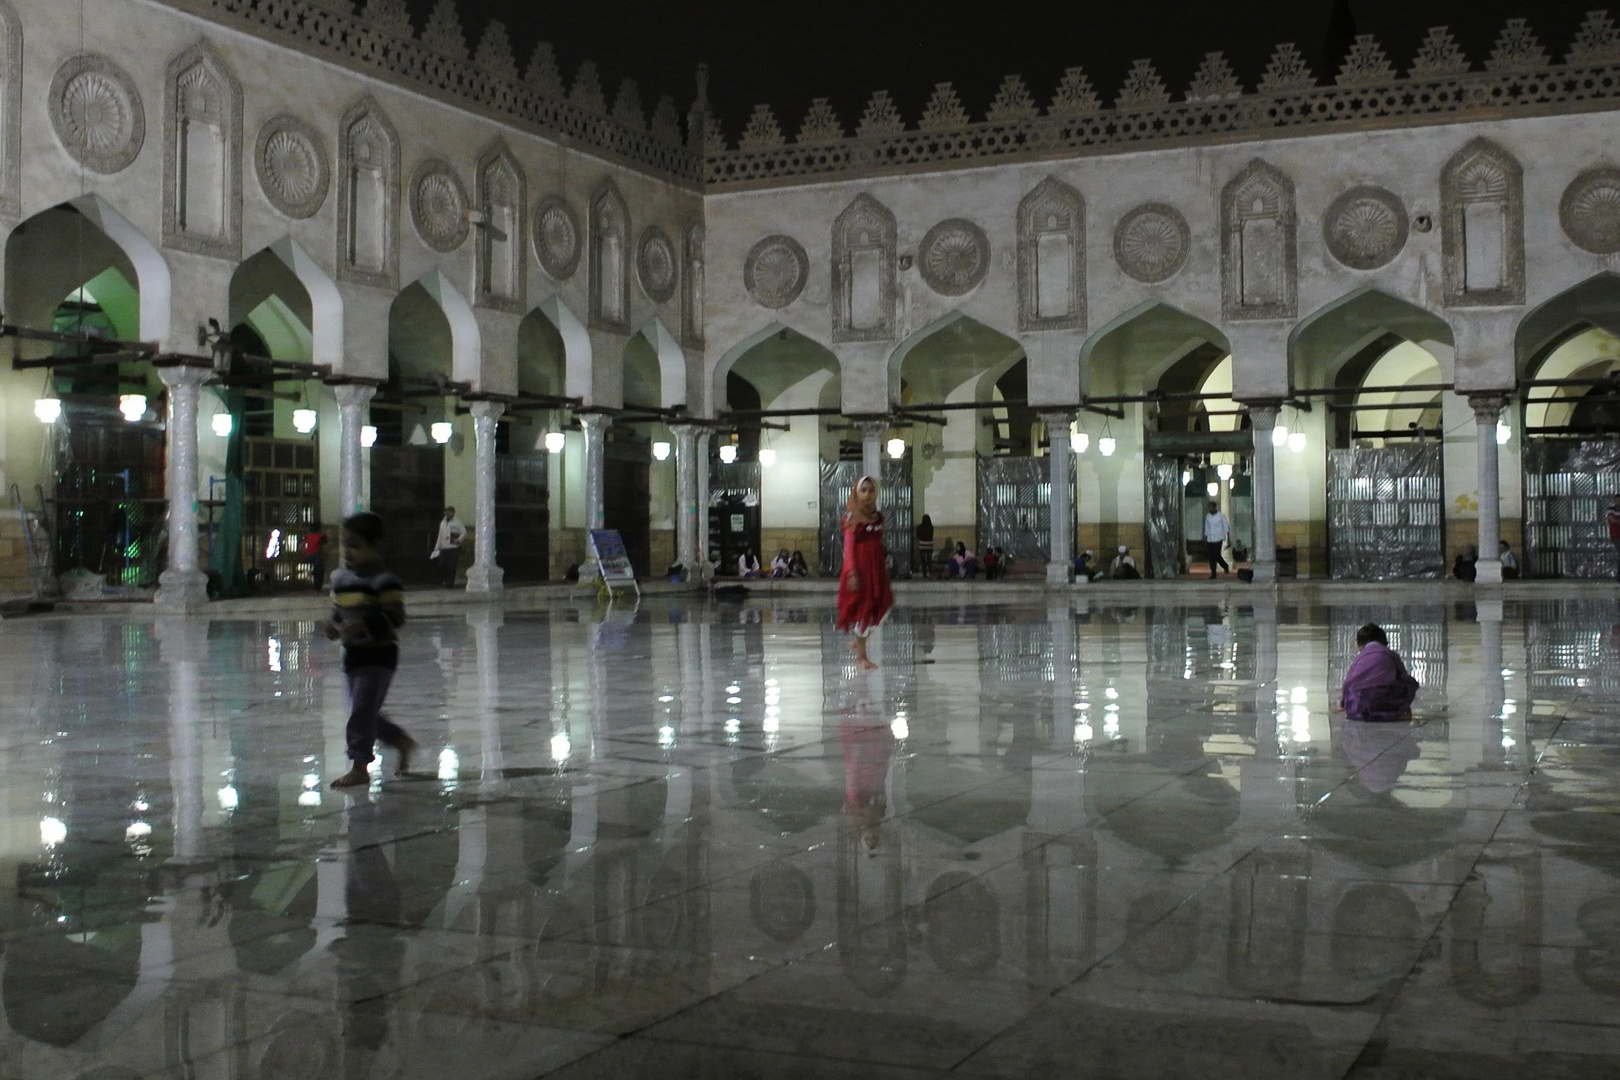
1050, 838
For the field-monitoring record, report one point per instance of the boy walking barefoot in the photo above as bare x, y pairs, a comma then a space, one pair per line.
368, 606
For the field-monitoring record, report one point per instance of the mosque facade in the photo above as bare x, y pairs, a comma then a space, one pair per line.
267, 263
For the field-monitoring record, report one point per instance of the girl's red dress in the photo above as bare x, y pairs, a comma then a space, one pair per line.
861, 610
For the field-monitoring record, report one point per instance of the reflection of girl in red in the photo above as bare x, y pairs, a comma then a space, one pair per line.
864, 597
867, 749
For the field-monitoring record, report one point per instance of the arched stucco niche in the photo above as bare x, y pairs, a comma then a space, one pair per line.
957, 360
1152, 347
655, 341
571, 345
1575, 335
1371, 339
787, 370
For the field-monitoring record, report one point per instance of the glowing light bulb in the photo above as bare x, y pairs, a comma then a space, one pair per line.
1106, 445
1213, 488
728, 453
52, 831
1503, 432
133, 406
1079, 441
661, 451
304, 421
767, 457
1296, 441
368, 436
221, 423
555, 441
1224, 471
897, 448
1186, 477
561, 747
1279, 435
442, 431
48, 409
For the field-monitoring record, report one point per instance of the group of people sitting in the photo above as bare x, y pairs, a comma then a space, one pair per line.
1465, 567
1122, 568
783, 566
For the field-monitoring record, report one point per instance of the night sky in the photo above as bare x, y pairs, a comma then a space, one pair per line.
786, 54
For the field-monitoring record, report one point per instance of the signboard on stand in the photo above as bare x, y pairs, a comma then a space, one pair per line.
612, 561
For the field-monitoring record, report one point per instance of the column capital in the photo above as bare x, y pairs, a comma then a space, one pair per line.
177, 373
595, 421
353, 395
870, 425
486, 410
1487, 407
1263, 413
685, 429
1056, 417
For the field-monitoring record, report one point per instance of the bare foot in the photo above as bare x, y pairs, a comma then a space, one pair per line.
355, 777
867, 665
406, 746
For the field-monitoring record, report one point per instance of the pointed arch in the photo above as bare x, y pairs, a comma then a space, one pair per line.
1482, 226
1132, 352
326, 302
1051, 266
865, 271
808, 355
671, 364
1259, 253
609, 258
576, 344
1324, 341
1593, 302
974, 347
368, 196
202, 163
465, 350
502, 199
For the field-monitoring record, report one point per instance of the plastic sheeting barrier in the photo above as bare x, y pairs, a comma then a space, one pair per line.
1567, 487
1386, 512
838, 480
1015, 506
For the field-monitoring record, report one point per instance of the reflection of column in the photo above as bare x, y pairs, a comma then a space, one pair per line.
595, 426
485, 575
1061, 458
486, 628
1487, 409
1262, 419
352, 399
184, 643
1493, 690
1064, 716
1265, 676
182, 584
700, 463
686, 497
872, 432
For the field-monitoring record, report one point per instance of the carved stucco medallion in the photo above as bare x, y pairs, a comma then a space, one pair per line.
439, 206
655, 265
954, 257
294, 171
776, 271
97, 113
1151, 242
556, 237
1365, 227
1590, 210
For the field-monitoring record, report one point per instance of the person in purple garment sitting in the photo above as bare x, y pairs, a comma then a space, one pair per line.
1377, 686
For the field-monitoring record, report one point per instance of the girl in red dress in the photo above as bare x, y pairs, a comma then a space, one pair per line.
864, 597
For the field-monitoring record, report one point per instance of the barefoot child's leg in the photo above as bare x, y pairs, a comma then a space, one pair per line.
368, 686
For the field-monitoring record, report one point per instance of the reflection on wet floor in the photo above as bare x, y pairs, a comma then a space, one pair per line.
1041, 841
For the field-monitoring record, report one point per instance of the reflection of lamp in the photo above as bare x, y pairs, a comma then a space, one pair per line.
1213, 488
1296, 441
1105, 446
442, 431
1224, 471
304, 421
1279, 435
897, 448
133, 406
1503, 432
221, 423
661, 451
767, 457
728, 452
48, 409
368, 436
555, 441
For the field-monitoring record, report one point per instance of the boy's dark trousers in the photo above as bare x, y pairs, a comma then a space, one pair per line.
368, 686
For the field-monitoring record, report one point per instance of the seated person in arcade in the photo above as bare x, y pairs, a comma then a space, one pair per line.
1123, 567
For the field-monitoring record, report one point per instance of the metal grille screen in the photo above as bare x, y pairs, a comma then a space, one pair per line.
1567, 487
1386, 512
894, 499
1165, 514
1015, 506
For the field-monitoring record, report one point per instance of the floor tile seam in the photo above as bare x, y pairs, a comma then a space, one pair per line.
793, 1055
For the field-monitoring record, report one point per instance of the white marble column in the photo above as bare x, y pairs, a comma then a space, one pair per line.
352, 399
872, 432
182, 585
1060, 567
1263, 476
484, 575
1487, 410
701, 464
595, 426
686, 498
